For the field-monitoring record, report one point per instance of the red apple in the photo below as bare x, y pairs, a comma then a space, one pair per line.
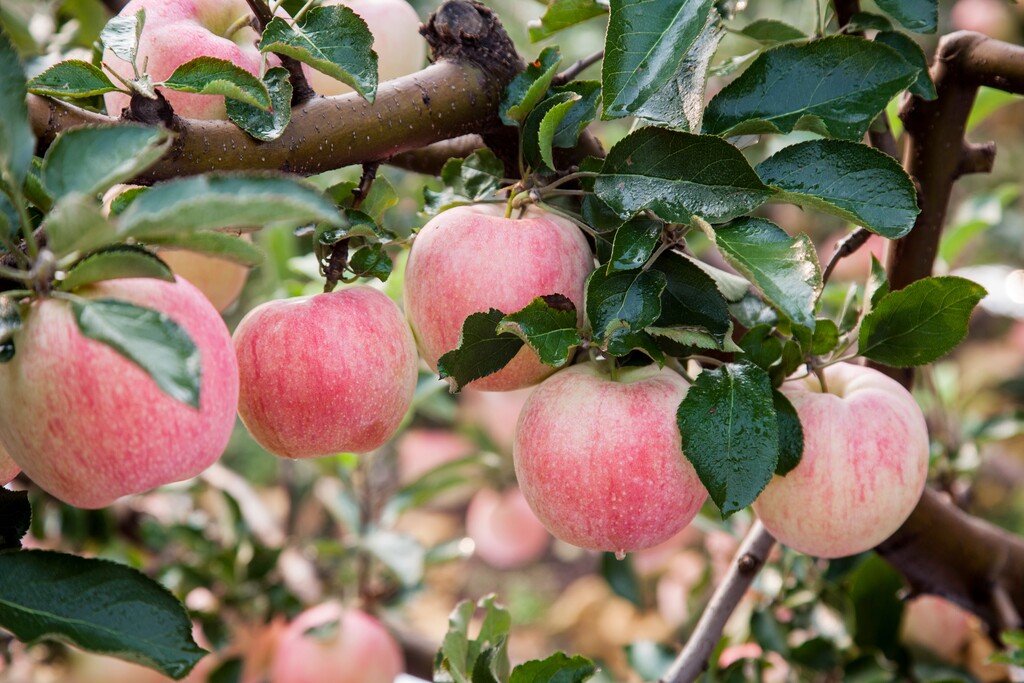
329, 644
397, 41
864, 465
991, 17
504, 530
421, 450
89, 425
325, 374
600, 460
470, 259
177, 31
937, 625
219, 280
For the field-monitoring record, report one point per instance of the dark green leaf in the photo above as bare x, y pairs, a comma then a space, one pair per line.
847, 179
333, 40
552, 123
98, 606
677, 176
469, 180
548, 325
217, 202
695, 337
622, 341
15, 520
751, 310
923, 87
731, 433
761, 347
148, 338
645, 44
213, 76
73, 78
121, 35
634, 243
792, 358
920, 323
868, 21
260, 124
877, 285
818, 653
217, 244
791, 434
230, 671
92, 160
123, 261
123, 199
528, 88
482, 350
17, 143
630, 296
539, 129
371, 261
875, 590
834, 86
650, 660
691, 297
621, 577
826, 337
772, 31
580, 114
457, 658
558, 668
921, 16
562, 14
77, 224
784, 268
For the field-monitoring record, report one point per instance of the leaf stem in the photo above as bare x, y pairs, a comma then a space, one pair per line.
569, 217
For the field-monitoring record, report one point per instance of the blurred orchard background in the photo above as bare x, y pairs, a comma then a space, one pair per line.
435, 516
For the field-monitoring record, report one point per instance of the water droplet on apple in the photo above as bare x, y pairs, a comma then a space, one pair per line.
620, 554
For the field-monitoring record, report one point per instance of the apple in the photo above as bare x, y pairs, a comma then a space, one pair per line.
325, 374
495, 413
470, 259
178, 31
937, 625
504, 529
397, 41
991, 17
89, 425
330, 644
8, 468
219, 280
421, 450
600, 460
864, 465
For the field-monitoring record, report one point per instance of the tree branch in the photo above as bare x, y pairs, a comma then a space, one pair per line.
577, 67
749, 559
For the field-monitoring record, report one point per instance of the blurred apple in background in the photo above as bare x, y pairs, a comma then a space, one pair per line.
421, 450
937, 625
221, 281
504, 529
496, 413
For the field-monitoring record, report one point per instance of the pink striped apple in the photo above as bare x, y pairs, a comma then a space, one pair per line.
221, 281
470, 259
89, 425
600, 460
330, 644
325, 374
864, 465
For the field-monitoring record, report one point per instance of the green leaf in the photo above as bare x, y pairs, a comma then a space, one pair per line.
540, 126
401, 554
784, 268
548, 325
92, 160
466, 181
333, 40
17, 143
222, 201
923, 87
122, 261
148, 338
791, 434
650, 660
772, 31
482, 350
97, 605
213, 76
645, 45
558, 668
826, 337
834, 86
622, 341
123, 199
528, 88
679, 104
15, 520
921, 16
371, 261
621, 577
121, 35
580, 115
266, 125
634, 243
457, 659
731, 433
217, 244
73, 78
761, 347
562, 14
381, 197
691, 298
847, 179
877, 285
696, 337
551, 124
868, 21
630, 296
677, 176
76, 223
920, 323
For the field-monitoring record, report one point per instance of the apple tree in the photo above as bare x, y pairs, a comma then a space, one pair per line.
626, 234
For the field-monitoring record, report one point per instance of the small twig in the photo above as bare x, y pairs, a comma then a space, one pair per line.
578, 66
848, 245
360, 191
749, 559
976, 157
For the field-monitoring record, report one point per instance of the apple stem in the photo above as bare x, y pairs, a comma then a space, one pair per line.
819, 372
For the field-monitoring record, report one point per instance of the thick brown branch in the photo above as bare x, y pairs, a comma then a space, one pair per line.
430, 159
